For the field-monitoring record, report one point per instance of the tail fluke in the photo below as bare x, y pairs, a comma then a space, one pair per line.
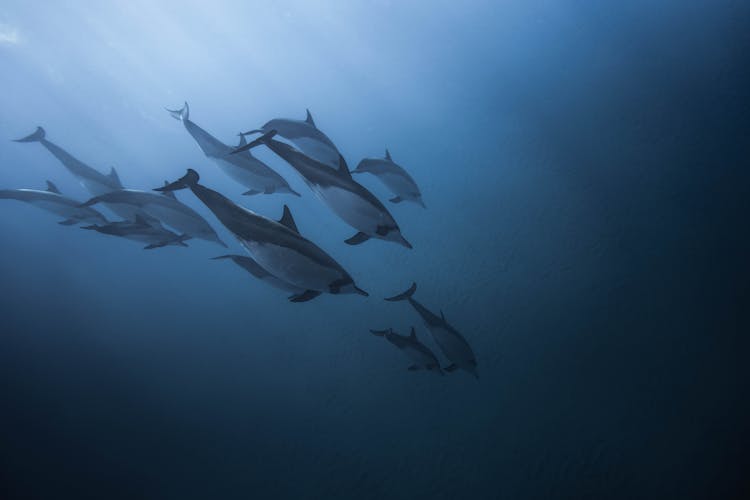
180, 114
404, 296
37, 136
190, 179
92, 201
257, 142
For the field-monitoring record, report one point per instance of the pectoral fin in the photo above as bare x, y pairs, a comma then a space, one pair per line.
357, 239
451, 368
252, 192
68, 222
396, 199
304, 296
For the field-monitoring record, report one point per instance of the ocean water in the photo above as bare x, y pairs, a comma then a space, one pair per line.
584, 166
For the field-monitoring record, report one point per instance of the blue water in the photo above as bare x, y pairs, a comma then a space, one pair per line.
584, 168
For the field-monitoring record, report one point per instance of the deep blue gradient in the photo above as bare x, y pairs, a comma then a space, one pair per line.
584, 168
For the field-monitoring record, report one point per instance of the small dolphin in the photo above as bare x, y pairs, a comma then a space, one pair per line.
167, 209
142, 230
393, 176
252, 267
245, 169
452, 343
357, 206
421, 355
307, 137
52, 201
277, 247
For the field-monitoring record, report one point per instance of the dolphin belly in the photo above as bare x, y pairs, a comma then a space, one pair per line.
244, 176
418, 357
180, 222
353, 209
452, 344
292, 266
318, 150
399, 185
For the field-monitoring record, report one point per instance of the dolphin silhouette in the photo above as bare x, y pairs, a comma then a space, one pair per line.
420, 355
393, 176
348, 199
244, 169
142, 230
277, 247
307, 137
53, 201
453, 344
167, 209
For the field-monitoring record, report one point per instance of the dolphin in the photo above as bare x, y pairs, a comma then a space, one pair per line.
452, 343
167, 209
421, 355
307, 137
53, 201
357, 206
92, 180
277, 247
142, 230
245, 169
252, 267
393, 176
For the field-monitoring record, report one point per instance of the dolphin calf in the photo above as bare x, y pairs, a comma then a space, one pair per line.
393, 176
244, 169
167, 209
252, 267
142, 230
277, 247
53, 201
420, 355
357, 206
307, 137
452, 343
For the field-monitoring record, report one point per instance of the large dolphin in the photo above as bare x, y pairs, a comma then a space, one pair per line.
276, 246
252, 267
357, 206
393, 176
167, 209
452, 343
52, 201
142, 230
307, 137
245, 169
92, 180
420, 355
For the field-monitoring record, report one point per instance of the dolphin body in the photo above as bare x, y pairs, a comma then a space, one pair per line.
244, 169
452, 343
142, 230
357, 206
307, 137
52, 201
252, 267
393, 176
167, 209
420, 355
91, 179
276, 246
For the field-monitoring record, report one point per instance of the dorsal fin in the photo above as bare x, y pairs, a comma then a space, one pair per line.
52, 188
344, 168
413, 334
288, 221
387, 155
243, 141
113, 175
168, 194
309, 118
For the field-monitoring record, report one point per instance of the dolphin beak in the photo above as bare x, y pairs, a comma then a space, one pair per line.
405, 243
360, 291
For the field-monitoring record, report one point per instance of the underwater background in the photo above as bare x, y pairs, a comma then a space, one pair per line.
584, 167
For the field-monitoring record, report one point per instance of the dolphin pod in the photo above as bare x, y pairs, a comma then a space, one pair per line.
421, 356
393, 176
276, 245
244, 169
53, 201
348, 199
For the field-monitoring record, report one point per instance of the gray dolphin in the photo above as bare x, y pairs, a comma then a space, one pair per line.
167, 209
91, 179
245, 169
276, 246
420, 355
354, 204
452, 343
393, 176
52, 201
142, 230
252, 267
307, 137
